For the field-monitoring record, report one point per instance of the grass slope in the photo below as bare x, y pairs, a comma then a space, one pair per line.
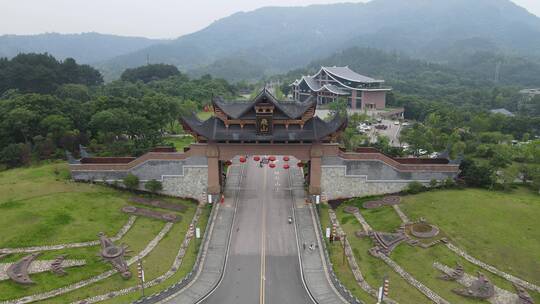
55, 210
499, 228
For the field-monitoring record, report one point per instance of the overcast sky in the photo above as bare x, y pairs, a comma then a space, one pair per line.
148, 18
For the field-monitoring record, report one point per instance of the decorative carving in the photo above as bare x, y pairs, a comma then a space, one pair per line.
422, 229
456, 274
523, 295
372, 204
385, 201
158, 204
18, 272
350, 209
385, 242
114, 255
391, 200
169, 217
56, 265
479, 289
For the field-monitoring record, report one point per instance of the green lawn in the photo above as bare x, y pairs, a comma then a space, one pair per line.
495, 227
55, 210
498, 228
40, 206
179, 142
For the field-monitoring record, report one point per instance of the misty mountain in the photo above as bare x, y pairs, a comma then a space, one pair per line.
282, 38
85, 48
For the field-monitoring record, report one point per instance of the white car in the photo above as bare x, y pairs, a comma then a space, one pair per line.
396, 123
405, 124
422, 152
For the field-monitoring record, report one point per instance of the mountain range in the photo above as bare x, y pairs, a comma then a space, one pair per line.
276, 39
85, 47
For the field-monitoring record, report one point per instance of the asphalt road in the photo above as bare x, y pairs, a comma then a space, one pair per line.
263, 264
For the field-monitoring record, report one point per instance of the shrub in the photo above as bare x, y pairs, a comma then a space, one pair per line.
15, 155
131, 181
415, 187
449, 183
153, 186
433, 183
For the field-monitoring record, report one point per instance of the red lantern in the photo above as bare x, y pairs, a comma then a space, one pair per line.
300, 164
256, 158
286, 158
272, 165
242, 159
272, 158
286, 166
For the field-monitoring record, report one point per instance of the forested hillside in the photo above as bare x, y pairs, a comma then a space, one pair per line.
48, 107
42, 73
281, 38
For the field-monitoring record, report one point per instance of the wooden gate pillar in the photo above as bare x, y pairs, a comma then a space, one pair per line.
212, 153
315, 170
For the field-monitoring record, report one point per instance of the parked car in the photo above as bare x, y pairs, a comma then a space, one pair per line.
396, 123
381, 127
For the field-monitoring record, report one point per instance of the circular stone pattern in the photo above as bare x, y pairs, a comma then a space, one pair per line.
129, 209
372, 204
424, 230
391, 200
350, 209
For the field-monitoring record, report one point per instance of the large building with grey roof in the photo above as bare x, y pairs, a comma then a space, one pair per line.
331, 83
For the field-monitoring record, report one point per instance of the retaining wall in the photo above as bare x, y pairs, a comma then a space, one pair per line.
344, 178
186, 177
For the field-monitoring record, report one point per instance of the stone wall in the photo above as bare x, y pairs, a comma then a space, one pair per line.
181, 178
354, 178
192, 184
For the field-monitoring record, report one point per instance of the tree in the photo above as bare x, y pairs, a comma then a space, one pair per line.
153, 186
502, 156
476, 175
15, 155
338, 108
21, 121
56, 125
131, 181
149, 73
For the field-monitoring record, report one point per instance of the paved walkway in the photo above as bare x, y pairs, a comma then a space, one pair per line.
315, 269
215, 250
